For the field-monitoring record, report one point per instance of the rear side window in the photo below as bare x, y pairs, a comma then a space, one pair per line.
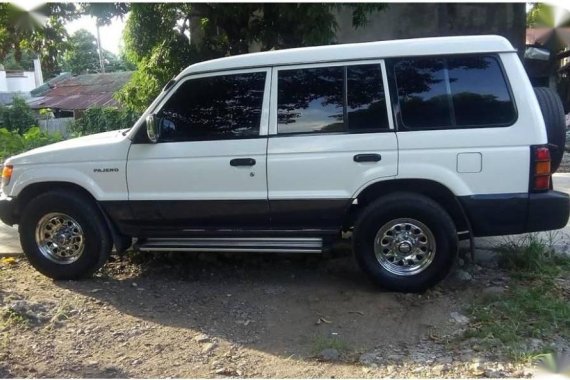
453, 92
479, 92
331, 99
214, 108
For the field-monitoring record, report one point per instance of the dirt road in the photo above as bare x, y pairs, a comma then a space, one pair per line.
239, 315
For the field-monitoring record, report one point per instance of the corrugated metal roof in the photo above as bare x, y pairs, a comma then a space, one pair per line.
48, 85
82, 92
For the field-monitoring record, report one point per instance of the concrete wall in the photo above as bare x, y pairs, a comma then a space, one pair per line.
414, 20
20, 82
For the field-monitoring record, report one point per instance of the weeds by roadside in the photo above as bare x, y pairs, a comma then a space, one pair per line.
533, 255
11, 317
535, 310
321, 343
63, 311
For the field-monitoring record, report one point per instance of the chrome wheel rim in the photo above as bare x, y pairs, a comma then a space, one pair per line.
404, 246
60, 238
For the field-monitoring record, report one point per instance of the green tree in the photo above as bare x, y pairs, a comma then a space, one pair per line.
18, 117
163, 38
101, 119
81, 56
26, 61
105, 12
40, 30
541, 16
115, 62
12, 143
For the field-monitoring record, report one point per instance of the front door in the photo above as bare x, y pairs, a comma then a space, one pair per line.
208, 169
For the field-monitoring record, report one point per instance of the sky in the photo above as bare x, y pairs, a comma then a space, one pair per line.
111, 36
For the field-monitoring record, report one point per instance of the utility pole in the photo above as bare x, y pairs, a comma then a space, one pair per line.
101, 61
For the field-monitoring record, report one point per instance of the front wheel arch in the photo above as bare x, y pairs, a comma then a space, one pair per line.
58, 225
121, 242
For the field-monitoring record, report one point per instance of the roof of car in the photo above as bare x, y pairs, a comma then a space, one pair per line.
357, 51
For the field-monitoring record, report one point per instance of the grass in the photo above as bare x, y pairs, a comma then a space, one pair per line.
321, 343
4, 345
11, 317
63, 311
532, 255
535, 306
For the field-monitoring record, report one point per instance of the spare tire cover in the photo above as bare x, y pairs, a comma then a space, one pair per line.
555, 121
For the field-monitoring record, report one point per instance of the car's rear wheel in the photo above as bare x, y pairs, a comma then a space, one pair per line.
405, 242
64, 235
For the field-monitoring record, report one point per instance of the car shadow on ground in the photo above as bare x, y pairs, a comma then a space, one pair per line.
280, 304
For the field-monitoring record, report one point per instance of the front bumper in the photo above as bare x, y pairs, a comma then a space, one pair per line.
7, 210
509, 214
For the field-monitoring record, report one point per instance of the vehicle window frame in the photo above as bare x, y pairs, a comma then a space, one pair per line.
264, 118
273, 127
397, 112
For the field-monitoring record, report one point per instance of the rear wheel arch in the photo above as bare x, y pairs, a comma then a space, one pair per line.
405, 241
436, 191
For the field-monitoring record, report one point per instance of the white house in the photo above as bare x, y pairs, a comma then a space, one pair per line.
19, 82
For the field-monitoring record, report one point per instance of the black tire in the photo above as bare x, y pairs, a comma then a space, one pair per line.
554, 119
97, 243
412, 207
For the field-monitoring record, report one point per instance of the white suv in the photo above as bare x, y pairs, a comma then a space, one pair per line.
410, 145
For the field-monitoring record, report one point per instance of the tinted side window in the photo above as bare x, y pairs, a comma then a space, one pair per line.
366, 102
422, 93
315, 100
310, 100
479, 91
214, 108
453, 92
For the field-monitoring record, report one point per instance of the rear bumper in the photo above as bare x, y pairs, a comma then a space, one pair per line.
7, 210
508, 214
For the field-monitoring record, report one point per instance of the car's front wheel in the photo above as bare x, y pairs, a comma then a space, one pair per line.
64, 235
405, 242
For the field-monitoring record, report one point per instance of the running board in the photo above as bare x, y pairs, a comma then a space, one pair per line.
276, 245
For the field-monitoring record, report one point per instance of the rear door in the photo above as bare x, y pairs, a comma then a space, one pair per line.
458, 123
208, 170
330, 134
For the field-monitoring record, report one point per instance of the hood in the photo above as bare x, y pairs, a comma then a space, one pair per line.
97, 147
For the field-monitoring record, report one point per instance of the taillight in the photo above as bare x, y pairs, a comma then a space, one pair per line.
540, 168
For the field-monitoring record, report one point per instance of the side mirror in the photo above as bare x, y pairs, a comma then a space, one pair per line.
152, 129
